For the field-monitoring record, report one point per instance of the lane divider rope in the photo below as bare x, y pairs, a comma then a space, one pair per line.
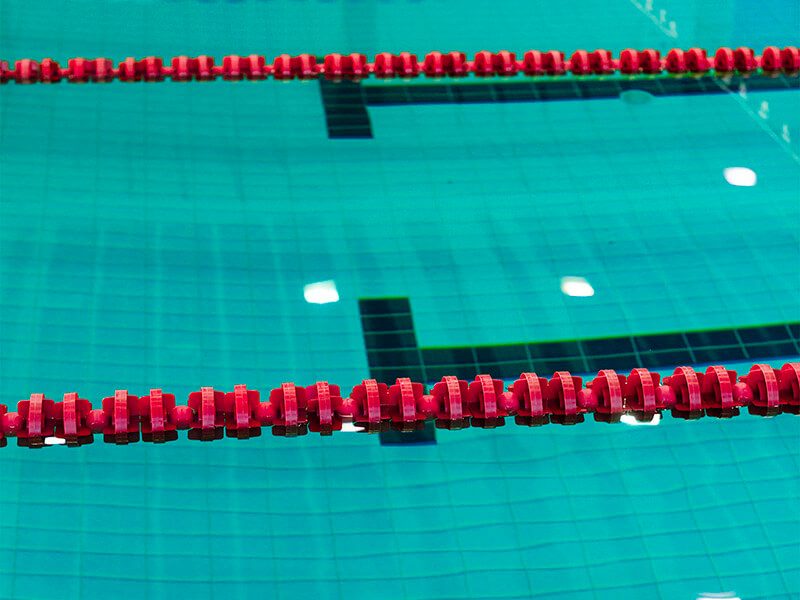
452, 403
695, 61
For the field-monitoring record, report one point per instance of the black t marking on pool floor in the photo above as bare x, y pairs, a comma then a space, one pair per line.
346, 102
392, 349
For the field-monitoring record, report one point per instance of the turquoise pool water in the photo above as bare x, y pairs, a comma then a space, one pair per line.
163, 235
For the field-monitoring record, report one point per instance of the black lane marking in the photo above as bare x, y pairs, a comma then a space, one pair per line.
553, 90
392, 349
387, 324
345, 102
346, 114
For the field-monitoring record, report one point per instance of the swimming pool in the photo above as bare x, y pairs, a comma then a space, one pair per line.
163, 235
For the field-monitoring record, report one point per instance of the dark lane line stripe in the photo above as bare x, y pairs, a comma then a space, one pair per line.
393, 351
345, 102
346, 113
562, 90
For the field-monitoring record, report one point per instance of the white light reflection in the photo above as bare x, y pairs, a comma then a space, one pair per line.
631, 420
576, 286
740, 176
349, 427
54, 441
718, 596
321, 292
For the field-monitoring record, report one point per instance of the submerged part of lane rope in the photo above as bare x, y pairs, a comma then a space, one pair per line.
405, 406
533, 63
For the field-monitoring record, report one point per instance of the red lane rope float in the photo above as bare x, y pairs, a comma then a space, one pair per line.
405, 406
533, 63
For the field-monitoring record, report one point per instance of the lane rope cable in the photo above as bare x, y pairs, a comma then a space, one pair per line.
723, 62
452, 403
